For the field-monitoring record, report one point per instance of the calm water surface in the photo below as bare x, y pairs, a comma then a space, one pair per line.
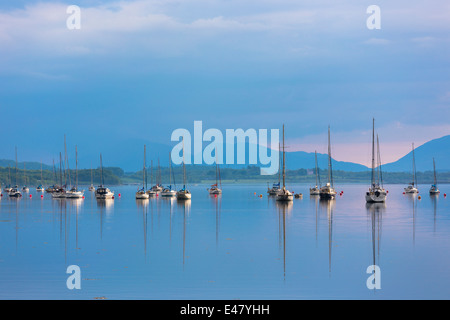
235, 246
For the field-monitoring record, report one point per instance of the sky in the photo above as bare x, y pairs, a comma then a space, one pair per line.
137, 70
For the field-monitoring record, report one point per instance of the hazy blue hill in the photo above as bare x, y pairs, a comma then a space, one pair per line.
29, 165
301, 159
437, 148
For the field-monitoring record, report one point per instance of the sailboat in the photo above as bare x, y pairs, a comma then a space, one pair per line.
141, 194
14, 192
376, 191
158, 187
59, 190
91, 187
8, 188
276, 186
168, 192
412, 188
25, 188
434, 188
284, 194
151, 192
52, 188
102, 192
215, 187
40, 187
74, 193
184, 194
316, 190
328, 192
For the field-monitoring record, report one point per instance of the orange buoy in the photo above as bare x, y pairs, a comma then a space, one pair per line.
419, 197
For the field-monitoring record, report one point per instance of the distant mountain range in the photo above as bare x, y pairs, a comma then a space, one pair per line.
437, 148
128, 155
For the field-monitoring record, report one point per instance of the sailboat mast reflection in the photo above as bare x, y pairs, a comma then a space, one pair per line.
375, 211
328, 205
284, 207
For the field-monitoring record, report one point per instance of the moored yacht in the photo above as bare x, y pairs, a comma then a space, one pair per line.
434, 188
376, 191
74, 193
103, 192
412, 188
328, 192
184, 193
168, 191
284, 194
215, 187
141, 194
315, 191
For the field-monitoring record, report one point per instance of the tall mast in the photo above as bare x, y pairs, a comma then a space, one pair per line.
55, 178
41, 171
143, 171
101, 170
373, 152
15, 178
170, 169
434, 170
60, 170
279, 164
151, 172
330, 168
65, 162
284, 163
414, 167
380, 172
317, 173
24, 175
92, 176
76, 168
184, 169
159, 174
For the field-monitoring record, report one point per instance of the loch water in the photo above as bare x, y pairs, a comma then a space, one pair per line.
234, 246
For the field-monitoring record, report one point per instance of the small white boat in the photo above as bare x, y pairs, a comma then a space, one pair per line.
40, 187
25, 189
14, 193
59, 192
168, 192
215, 187
434, 190
91, 187
328, 192
74, 193
141, 194
412, 188
284, 194
184, 194
315, 191
376, 193
102, 192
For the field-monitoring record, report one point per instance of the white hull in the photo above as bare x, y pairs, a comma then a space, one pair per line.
140, 195
183, 196
214, 191
376, 196
285, 195
171, 193
434, 191
411, 189
151, 193
74, 194
39, 189
25, 189
314, 191
273, 192
59, 195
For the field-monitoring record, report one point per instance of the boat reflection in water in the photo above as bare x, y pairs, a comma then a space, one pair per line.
327, 206
185, 206
375, 212
284, 208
